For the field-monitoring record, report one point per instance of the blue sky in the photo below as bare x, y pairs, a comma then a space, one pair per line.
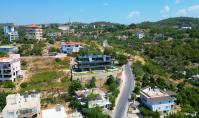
118, 11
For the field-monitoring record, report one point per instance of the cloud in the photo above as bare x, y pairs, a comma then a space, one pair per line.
181, 12
166, 9
194, 8
133, 14
188, 11
177, 1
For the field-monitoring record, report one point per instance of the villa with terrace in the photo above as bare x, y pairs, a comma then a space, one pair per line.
158, 100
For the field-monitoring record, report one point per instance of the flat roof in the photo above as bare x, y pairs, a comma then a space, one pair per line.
155, 94
94, 56
15, 102
53, 113
10, 58
8, 46
152, 93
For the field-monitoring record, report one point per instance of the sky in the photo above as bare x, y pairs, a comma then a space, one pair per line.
117, 11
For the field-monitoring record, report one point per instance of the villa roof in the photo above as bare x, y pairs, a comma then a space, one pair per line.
94, 56
155, 94
33, 26
10, 58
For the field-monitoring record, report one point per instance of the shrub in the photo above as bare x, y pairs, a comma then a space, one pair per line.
8, 84
2, 100
24, 85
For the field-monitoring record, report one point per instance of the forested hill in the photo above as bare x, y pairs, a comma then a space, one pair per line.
176, 22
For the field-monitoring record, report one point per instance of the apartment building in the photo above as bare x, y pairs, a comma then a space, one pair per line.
10, 67
158, 100
70, 47
34, 31
26, 106
93, 62
11, 33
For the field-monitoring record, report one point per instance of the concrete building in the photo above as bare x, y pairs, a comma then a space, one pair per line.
158, 100
8, 49
8, 29
93, 62
140, 34
70, 47
75, 115
105, 44
57, 112
101, 100
122, 37
27, 106
10, 67
60, 112
11, 33
195, 78
54, 35
34, 32
186, 28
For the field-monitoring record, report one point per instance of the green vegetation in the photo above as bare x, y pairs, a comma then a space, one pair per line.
180, 116
2, 100
174, 55
122, 59
112, 86
2, 54
92, 84
8, 84
46, 81
31, 48
75, 103
91, 49
173, 22
95, 113
62, 63
148, 113
52, 49
74, 86
169, 63
92, 96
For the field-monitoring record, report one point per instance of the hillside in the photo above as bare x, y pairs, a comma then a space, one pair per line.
176, 22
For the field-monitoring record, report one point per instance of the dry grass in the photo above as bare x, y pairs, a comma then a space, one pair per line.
139, 58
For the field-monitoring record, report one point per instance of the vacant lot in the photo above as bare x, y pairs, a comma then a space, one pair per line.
46, 81
45, 74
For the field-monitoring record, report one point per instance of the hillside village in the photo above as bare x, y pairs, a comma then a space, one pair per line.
76, 70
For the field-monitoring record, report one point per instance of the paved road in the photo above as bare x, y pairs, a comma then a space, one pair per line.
126, 90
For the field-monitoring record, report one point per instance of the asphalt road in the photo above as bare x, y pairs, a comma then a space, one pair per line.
127, 87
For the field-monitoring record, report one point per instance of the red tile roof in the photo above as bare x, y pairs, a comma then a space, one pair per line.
33, 26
